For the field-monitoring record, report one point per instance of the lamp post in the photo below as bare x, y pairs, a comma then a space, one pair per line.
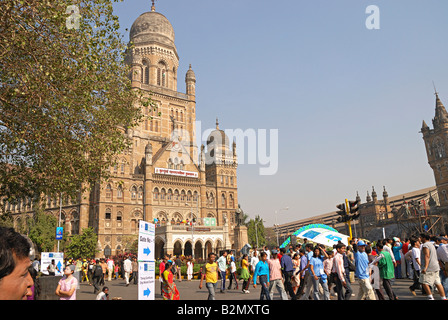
256, 229
192, 230
276, 225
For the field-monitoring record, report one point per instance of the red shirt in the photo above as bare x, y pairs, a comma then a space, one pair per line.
162, 267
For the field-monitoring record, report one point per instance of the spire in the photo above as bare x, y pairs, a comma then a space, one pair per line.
424, 125
153, 7
441, 114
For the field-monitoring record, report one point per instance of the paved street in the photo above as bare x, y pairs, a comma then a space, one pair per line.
189, 290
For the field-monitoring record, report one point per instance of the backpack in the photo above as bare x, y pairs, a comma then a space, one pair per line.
98, 272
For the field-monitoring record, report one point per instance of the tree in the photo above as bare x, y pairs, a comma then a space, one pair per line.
65, 96
255, 229
42, 230
82, 245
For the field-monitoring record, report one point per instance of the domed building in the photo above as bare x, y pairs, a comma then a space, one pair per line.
190, 194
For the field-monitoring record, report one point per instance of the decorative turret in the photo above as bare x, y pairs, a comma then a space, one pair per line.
190, 81
385, 195
374, 195
148, 154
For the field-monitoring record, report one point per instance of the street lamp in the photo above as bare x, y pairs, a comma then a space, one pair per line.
256, 229
192, 230
276, 224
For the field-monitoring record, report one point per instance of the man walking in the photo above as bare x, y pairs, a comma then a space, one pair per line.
442, 256
210, 274
415, 262
339, 270
363, 271
288, 269
262, 272
429, 275
127, 266
275, 276
222, 267
387, 269
110, 268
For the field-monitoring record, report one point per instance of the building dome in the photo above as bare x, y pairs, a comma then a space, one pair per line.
218, 137
152, 27
190, 76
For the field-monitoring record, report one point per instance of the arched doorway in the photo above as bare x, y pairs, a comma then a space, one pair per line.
177, 250
198, 254
208, 248
188, 250
159, 247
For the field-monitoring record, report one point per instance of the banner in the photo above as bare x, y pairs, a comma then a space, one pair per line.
47, 257
174, 172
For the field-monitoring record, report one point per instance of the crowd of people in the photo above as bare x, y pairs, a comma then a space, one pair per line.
307, 271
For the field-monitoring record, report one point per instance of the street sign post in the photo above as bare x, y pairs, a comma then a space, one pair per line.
146, 261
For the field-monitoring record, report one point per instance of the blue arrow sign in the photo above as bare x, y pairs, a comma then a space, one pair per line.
146, 251
146, 292
59, 265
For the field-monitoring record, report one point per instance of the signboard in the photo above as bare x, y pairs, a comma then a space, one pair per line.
45, 261
146, 280
146, 261
146, 241
178, 173
210, 222
59, 232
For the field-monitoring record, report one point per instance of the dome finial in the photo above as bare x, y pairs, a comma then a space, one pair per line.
153, 7
217, 123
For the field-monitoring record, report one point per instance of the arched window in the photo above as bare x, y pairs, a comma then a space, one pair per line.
170, 194
162, 75
108, 214
189, 195
120, 192
181, 166
108, 191
162, 194
140, 192
170, 164
134, 192
145, 72
195, 196
156, 193
182, 195
176, 165
223, 200
176, 194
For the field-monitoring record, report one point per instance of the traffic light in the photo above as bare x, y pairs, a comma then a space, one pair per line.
342, 212
353, 210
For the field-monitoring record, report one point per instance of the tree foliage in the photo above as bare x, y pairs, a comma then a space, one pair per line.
65, 96
255, 228
82, 245
42, 230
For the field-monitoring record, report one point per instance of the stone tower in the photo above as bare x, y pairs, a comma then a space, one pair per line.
435, 143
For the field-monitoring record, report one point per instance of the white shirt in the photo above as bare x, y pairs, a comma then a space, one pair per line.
253, 262
232, 267
415, 254
442, 253
127, 265
101, 296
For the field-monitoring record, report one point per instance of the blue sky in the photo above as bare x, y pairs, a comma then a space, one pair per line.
348, 102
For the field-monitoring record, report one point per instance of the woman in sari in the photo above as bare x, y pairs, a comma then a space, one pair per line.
169, 289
